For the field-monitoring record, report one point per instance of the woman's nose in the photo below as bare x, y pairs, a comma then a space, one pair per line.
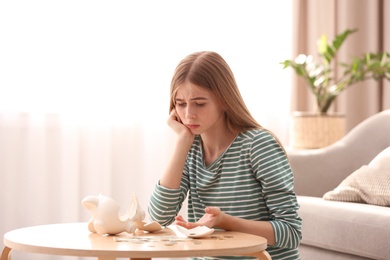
190, 113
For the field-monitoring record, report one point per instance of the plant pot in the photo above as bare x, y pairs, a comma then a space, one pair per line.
312, 130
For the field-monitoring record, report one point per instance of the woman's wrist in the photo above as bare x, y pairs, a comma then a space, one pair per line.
184, 142
224, 221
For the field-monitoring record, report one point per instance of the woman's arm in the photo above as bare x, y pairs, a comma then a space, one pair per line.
273, 171
173, 173
216, 218
169, 194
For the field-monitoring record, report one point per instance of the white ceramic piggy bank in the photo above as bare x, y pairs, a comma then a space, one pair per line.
105, 216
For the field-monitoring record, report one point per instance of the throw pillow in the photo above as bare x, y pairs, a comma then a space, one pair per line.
369, 184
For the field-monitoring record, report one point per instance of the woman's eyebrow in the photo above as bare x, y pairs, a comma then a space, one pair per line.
192, 99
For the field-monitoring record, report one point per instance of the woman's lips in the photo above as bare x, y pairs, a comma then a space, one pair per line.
192, 126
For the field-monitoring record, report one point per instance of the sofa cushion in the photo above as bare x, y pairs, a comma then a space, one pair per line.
369, 184
354, 228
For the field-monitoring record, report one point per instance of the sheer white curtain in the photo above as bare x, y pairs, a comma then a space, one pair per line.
84, 89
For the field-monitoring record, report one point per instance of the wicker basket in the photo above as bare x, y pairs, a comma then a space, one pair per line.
311, 131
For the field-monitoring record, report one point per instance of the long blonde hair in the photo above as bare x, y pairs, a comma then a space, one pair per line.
210, 71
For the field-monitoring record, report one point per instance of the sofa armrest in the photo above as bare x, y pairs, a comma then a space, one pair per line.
318, 171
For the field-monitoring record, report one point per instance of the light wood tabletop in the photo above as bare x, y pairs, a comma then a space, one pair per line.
74, 239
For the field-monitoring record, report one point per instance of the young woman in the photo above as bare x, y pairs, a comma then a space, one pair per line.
235, 172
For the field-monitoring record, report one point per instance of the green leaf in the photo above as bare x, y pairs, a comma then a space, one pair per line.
319, 76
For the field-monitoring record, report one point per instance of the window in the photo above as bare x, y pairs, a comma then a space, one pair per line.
113, 60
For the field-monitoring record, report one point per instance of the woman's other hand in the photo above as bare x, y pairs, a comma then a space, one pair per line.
212, 217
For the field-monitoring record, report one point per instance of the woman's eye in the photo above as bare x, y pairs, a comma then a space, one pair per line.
200, 104
180, 104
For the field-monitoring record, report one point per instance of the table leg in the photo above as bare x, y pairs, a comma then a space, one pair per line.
6, 253
262, 255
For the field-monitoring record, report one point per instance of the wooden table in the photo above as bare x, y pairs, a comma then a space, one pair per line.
74, 239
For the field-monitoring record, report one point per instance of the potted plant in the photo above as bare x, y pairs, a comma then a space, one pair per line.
322, 81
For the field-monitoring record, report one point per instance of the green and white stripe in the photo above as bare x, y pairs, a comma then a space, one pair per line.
252, 180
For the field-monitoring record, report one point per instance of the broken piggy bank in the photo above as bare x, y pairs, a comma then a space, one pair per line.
106, 218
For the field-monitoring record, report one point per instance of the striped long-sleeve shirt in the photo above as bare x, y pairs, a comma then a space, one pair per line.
252, 179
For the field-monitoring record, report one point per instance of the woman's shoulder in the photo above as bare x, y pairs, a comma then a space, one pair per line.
259, 138
256, 134
262, 141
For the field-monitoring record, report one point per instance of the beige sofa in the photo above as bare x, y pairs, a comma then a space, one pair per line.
335, 229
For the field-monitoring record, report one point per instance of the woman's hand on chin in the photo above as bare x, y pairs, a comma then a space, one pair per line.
182, 131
